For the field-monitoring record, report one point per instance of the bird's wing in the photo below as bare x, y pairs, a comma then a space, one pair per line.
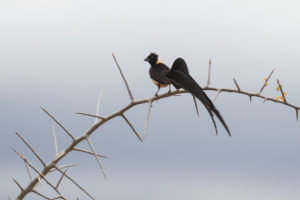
191, 86
180, 64
159, 73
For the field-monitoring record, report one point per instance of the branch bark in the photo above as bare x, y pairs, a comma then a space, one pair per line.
46, 169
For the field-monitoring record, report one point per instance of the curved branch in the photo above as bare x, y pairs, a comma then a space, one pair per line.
52, 165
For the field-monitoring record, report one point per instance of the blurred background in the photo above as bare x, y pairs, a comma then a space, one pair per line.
57, 54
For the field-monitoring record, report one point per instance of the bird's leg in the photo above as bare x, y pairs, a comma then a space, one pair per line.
169, 89
156, 94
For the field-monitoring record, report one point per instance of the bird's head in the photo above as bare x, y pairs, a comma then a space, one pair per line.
152, 59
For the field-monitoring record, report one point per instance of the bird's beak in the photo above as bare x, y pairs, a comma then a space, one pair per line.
146, 59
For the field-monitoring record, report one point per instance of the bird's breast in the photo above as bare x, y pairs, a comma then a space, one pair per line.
159, 84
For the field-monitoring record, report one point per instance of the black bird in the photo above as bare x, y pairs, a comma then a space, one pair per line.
158, 73
179, 75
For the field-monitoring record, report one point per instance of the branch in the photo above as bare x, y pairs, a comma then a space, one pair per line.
88, 152
266, 81
64, 166
237, 85
282, 93
124, 79
54, 139
18, 184
209, 72
31, 149
73, 181
122, 110
41, 195
60, 179
66, 130
98, 106
40, 174
96, 156
132, 128
196, 105
90, 115
28, 171
219, 91
147, 119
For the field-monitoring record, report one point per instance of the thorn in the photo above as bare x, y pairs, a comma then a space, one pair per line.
236, 84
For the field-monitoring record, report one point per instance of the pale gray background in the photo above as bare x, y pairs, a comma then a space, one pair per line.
57, 54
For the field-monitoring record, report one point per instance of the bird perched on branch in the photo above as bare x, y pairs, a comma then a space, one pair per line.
158, 73
180, 77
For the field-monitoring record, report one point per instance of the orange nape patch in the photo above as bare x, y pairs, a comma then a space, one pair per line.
159, 84
158, 61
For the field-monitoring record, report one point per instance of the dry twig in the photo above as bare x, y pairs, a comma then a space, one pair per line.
66, 130
124, 79
266, 82
55, 141
96, 156
88, 152
52, 165
196, 105
132, 128
61, 178
31, 149
90, 115
237, 85
75, 183
98, 106
282, 93
147, 119
209, 72
18, 184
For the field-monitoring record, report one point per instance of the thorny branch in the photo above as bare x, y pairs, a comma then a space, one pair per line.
52, 165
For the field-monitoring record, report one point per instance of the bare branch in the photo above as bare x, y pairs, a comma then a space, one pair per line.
18, 184
66, 130
147, 119
120, 112
124, 79
97, 158
60, 179
266, 82
59, 197
196, 105
32, 150
28, 171
282, 93
73, 181
37, 171
219, 91
63, 167
209, 72
41, 195
237, 85
54, 139
132, 128
98, 106
88, 152
90, 115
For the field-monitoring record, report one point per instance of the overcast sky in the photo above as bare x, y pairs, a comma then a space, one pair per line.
57, 54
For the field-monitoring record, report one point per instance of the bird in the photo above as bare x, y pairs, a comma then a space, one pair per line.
158, 73
180, 76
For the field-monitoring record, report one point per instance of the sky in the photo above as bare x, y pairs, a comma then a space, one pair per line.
57, 54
